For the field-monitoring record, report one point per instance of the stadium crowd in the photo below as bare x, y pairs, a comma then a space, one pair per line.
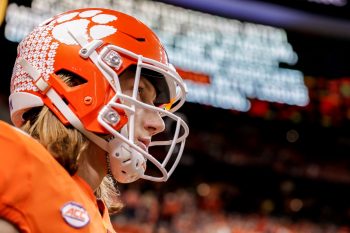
182, 211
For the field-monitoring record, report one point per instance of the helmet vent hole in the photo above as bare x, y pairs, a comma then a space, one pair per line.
139, 39
126, 161
71, 79
65, 100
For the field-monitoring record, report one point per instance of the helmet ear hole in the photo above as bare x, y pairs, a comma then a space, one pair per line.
32, 114
70, 78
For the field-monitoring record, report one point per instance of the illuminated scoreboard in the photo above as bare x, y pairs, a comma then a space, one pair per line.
225, 62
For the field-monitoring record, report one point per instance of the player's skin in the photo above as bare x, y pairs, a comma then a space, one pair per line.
147, 124
92, 168
6, 227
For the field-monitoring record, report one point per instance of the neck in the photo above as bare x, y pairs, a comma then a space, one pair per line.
92, 166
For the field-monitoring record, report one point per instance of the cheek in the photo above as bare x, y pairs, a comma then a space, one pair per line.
128, 93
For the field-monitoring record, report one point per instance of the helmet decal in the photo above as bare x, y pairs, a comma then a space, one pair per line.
61, 34
80, 25
39, 50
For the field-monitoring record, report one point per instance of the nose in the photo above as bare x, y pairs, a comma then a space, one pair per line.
153, 122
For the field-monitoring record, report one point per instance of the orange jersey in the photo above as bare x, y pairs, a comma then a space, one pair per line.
38, 195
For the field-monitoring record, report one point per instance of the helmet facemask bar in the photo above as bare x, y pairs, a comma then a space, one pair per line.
178, 138
129, 104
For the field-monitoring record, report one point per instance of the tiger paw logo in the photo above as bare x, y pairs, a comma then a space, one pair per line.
79, 22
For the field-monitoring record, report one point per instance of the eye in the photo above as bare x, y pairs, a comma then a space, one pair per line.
146, 92
141, 91
142, 95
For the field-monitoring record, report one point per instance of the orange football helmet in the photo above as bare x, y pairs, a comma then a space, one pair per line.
98, 45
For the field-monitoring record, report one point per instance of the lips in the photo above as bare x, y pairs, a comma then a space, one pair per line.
143, 143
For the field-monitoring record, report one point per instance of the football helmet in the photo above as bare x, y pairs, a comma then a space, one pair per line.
98, 45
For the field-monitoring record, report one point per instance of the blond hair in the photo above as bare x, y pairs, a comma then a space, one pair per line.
65, 144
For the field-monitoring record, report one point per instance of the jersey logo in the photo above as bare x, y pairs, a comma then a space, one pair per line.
75, 215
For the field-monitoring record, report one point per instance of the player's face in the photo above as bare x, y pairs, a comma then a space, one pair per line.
147, 122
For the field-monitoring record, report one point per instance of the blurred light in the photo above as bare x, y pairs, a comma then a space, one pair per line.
345, 89
331, 2
296, 205
267, 206
292, 136
326, 121
240, 59
287, 186
3, 6
313, 171
203, 189
296, 117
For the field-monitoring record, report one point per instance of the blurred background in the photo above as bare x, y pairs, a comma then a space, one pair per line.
268, 111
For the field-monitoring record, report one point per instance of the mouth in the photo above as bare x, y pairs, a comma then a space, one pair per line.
143, 143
